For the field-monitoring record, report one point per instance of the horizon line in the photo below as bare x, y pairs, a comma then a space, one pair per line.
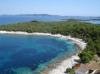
49, 14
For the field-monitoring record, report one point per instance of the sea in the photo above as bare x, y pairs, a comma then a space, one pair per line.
12, 19
29, 54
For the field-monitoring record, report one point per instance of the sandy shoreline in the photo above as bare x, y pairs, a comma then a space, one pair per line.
67, 63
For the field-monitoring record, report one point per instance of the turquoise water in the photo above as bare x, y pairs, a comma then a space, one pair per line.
20, 54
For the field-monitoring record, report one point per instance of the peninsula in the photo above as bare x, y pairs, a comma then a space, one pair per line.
89, 33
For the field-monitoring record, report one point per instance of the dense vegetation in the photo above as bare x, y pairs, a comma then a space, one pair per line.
86, 56
88, 32
70, 71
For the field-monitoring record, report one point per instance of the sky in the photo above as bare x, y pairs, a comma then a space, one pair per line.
53, 7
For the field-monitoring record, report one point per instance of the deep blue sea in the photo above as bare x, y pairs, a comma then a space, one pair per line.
12, 19
21, 54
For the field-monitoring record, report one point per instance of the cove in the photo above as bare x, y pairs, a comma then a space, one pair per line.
23, 54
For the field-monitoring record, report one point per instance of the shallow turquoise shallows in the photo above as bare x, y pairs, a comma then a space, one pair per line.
20, 54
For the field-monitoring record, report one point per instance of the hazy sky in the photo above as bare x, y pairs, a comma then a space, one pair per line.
55, 7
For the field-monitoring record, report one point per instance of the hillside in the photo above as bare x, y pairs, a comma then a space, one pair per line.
88, 32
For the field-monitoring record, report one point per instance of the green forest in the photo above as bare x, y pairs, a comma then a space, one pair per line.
90, 33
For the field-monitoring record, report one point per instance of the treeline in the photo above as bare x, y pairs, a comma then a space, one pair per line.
87, 31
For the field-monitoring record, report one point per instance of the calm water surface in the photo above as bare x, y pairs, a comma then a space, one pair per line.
12, 19
21, 54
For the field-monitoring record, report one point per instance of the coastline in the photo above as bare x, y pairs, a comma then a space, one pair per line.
68, 62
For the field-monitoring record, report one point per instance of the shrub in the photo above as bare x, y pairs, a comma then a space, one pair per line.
86, 56
70, 71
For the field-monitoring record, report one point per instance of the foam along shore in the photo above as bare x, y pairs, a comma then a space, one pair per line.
67, 63
77, 41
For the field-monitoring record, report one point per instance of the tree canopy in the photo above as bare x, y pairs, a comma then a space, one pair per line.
87, 31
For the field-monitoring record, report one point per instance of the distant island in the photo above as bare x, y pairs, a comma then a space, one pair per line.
90, 33
10, 19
